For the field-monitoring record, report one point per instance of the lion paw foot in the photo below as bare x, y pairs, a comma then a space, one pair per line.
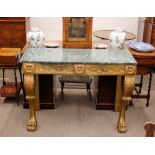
32, 125
122, 128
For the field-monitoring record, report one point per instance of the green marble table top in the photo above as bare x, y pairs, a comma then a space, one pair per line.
77, 56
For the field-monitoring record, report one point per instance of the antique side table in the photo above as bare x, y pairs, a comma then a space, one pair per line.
9, 60
118, 62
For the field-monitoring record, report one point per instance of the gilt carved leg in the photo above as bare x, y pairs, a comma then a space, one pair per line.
29, 83
128, 85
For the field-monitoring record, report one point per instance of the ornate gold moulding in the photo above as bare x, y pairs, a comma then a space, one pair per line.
79, 69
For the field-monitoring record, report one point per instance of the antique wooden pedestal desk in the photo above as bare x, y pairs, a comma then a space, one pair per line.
59, 61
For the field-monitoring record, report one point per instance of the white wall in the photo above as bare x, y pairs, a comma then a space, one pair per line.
52, 26
140, 28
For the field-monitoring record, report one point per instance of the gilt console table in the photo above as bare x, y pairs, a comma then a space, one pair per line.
59, 61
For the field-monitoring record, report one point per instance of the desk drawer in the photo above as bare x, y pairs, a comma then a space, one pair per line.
12, 42
8, 60
12, 34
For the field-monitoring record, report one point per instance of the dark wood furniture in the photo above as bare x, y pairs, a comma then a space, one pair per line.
77, 32
12, 36
149, 30
13, 31
146, 62
149, 37
149, 128
9, 60
105, 92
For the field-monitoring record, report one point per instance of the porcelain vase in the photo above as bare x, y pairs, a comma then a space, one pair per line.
35, 37
117, 38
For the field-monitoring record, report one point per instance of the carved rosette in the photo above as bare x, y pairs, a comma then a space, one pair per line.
130, 69
79, 69
28, 68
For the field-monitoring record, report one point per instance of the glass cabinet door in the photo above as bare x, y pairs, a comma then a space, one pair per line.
77, 27
77, 32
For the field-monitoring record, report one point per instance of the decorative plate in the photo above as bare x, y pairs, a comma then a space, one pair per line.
51, 44
100, 46
141, 46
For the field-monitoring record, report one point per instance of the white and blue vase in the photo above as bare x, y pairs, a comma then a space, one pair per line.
35, 37
117, 38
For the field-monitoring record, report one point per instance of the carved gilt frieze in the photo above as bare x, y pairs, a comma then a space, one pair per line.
79, 69
130, 69
28, 68
82, 69
105, 69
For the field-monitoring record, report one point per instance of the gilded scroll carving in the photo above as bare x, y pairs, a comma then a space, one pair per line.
128, 85
29, 84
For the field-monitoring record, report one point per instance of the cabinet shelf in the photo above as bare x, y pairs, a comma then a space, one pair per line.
10, 89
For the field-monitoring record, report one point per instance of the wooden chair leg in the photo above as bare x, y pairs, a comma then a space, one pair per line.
16, 83
149, 90
131, 103
141, 84
87, 86
90, 94
89, 89
22, 84
17, 98
62, 90
24, 92
4, 77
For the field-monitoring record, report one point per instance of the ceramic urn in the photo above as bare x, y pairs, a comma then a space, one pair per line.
35, 37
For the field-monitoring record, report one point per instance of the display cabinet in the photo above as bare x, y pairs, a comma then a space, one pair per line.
77, 32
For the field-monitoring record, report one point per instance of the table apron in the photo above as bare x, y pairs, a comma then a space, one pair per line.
79, 69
